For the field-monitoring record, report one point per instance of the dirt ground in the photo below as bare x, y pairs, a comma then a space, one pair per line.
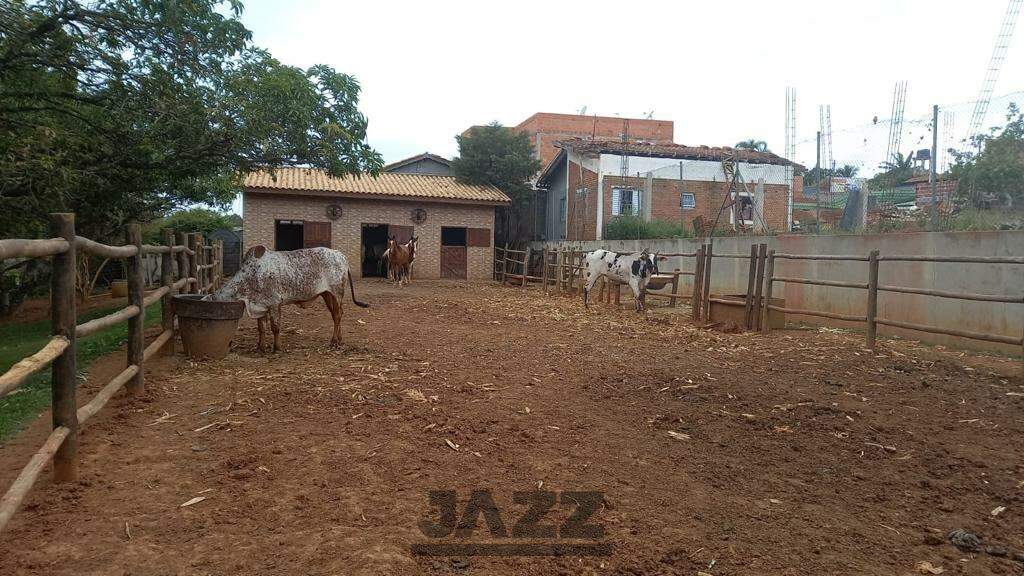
795, 453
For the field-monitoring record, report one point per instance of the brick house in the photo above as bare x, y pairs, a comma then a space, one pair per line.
547, 128
583, 187
303, 208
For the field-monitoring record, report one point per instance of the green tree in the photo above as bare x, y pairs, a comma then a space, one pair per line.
503, 158
995, 175
895, 171
752, 144
202, 220
125, 110
846, 171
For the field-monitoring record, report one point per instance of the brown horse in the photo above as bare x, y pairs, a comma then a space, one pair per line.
400, 258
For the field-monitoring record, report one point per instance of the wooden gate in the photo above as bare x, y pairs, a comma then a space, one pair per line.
315, 234
453, 262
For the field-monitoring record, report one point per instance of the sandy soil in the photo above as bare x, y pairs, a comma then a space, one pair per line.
796, 453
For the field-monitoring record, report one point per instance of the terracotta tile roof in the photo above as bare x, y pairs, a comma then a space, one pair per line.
664, 150
387, 184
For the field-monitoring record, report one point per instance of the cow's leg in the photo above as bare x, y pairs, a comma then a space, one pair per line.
334, 306
638, 293
259, 330
275, 326
591, 280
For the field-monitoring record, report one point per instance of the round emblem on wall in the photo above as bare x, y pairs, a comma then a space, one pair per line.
419, 215
334, 211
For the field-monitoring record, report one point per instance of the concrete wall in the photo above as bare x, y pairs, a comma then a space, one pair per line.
730, 276
260, 210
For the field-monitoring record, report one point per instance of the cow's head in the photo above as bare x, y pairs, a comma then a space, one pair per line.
647, 264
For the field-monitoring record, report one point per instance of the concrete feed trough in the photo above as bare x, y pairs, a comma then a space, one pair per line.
206, 327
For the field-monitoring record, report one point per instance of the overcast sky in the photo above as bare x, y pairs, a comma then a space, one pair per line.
717, 69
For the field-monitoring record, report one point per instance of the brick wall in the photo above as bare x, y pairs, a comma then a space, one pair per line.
550, 128
708, 196
260, 210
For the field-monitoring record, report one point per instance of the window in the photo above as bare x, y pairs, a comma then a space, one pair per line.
687, 201
625, 201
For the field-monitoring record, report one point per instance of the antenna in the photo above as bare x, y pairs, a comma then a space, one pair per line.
790, 152
995, 63
899, 103
624, 166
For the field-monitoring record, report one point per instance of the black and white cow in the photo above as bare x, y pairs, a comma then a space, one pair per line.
634, 269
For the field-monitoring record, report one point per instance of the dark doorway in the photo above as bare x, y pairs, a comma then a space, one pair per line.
288, 234
375, 242
453, 253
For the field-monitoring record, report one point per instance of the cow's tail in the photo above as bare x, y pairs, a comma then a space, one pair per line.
352, 290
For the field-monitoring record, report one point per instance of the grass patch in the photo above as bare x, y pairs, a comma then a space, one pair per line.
24, 339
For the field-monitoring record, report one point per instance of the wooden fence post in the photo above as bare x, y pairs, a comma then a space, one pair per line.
63, 319
504, 268
526, 265
769, 281
755, 319
197, 254
675, 288
544, 269
706, 290
698, 283
748, 298
872, 310
167, 279
133, 273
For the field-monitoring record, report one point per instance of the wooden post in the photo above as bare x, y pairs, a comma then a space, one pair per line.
698, 283
167, 279
762, 254
544, 269
706, 290
872, 311
193, 270
748, 298
62, 379
526, 265
133, 274
675, 288
504, 264
184, 268
572, 269
769, 282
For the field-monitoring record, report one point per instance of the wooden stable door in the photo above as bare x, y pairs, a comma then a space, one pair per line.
315, 234
453, 262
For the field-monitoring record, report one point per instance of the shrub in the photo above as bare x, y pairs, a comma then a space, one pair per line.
636, 228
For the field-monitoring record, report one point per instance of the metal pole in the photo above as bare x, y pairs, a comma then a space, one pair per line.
932, 180
817, 186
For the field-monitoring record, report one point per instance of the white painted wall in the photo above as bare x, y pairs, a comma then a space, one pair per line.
705, 170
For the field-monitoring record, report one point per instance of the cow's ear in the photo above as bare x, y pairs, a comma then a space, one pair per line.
663, 258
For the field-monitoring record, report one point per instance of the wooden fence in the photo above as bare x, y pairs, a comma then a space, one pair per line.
870, 317
563, 269
198, 266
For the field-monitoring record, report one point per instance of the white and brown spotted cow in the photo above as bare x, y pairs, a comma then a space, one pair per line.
634, 269
267, 281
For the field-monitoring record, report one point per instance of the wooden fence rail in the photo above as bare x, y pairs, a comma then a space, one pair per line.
563, 271
192, 257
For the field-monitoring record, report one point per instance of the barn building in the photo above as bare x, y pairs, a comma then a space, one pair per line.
303, 208
582, 188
